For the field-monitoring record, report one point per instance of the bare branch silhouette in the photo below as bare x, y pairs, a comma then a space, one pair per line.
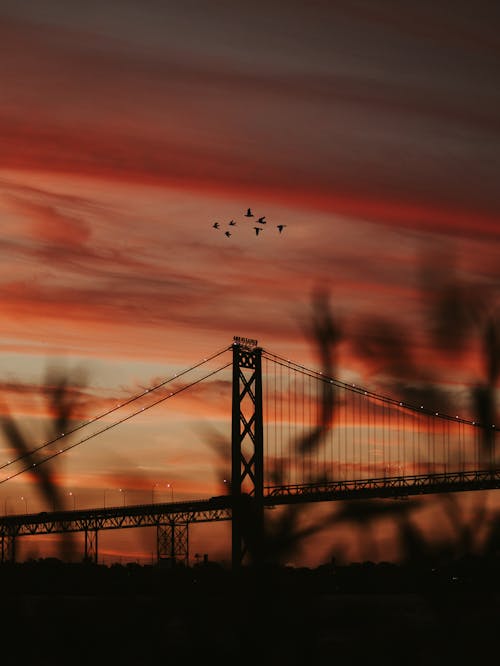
324, 332
64, 403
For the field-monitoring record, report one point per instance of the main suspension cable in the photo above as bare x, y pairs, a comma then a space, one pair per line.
121, 405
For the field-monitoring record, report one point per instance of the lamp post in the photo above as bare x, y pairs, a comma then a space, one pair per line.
71, 494
171, 486
122, 491
25, 500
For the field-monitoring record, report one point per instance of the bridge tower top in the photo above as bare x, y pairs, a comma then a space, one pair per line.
244, 343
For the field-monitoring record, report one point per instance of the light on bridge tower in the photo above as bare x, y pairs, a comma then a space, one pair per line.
247, 451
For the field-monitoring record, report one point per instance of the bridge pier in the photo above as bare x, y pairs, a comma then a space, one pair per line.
91, 552
172, 543
8, 549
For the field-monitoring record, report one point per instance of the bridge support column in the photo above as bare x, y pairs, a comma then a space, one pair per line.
91, 546
8, 549
172, 543
247, 454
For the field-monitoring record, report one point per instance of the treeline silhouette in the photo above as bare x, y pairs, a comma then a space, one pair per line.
472, 575
53, 612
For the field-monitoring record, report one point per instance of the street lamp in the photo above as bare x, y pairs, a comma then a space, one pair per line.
171, 486
25, 499
74, 499
123, 495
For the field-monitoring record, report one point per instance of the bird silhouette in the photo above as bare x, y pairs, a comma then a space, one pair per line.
228, 233
281, 227
249, 213
215, 225
262, 220
257, 229
232, 223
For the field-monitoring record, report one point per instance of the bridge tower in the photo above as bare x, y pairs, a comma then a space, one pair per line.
247, 452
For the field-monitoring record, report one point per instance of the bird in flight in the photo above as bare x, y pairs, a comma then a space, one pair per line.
228, 233
281, 227
215, 225
249, 213
257, 229
232, 223
262, 220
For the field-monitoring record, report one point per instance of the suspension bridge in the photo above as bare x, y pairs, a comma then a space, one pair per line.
296, 436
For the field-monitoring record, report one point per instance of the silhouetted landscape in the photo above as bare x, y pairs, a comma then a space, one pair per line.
55, 613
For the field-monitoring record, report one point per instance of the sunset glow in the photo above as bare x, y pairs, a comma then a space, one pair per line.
372, 134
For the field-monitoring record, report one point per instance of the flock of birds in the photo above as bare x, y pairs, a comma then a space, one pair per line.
261, 220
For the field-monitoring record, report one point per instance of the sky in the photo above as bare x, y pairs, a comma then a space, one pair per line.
369, 129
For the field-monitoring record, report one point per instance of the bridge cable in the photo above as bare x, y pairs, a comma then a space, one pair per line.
362, 391
112, 425
128, 401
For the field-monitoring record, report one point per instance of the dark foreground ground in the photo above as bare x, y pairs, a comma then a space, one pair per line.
54, 613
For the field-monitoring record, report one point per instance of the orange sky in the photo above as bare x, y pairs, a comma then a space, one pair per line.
372, 133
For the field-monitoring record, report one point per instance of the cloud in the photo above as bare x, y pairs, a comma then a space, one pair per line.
363, 133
